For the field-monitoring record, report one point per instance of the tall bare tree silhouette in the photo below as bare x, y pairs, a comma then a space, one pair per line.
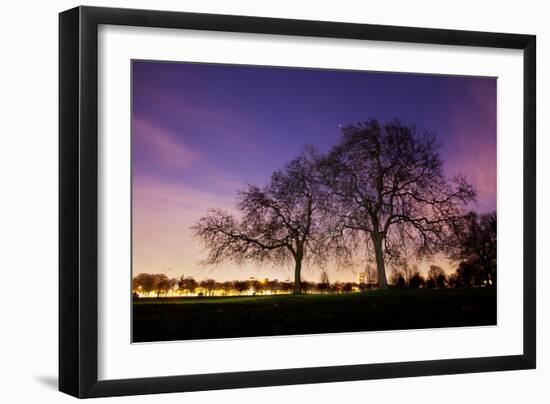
280, 223
390, 190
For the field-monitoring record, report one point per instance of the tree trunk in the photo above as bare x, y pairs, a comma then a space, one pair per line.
377, 241
298, 273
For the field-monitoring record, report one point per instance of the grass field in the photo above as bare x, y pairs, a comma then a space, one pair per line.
165, 319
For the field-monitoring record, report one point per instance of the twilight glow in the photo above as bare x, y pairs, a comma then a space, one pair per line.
200, 132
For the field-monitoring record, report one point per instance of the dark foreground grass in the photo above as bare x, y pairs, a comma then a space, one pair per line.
167, 319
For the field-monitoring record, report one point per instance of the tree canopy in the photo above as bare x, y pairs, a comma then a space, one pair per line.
281, 222
391, 191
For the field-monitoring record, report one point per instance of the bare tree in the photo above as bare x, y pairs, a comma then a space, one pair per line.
417, 281
189, 284
208, 285
240, 286
397, 278
478, 244
160, 284
391, 191
227, 287
274, 286
436, 277
287, 286
347, 287
467, 275
280, 223
143, 283
408, 270
307, 287
371, 276
324, 284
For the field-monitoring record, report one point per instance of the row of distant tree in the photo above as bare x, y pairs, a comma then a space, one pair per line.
464, 276
380, 194
468, 274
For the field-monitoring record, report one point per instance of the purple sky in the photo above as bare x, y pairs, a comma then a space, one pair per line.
200, 132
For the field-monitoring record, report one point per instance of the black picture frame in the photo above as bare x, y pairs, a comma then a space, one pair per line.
78, 201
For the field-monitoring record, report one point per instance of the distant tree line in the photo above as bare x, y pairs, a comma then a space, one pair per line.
159, 285
380, 192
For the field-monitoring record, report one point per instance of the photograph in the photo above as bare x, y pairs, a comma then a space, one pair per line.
273, 201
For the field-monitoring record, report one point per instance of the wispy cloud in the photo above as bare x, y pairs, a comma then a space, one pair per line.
237, 128
162, 146
154, 195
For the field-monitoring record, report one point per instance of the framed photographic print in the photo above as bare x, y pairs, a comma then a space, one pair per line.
266, 190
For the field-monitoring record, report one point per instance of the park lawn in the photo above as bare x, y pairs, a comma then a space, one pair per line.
166, 319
